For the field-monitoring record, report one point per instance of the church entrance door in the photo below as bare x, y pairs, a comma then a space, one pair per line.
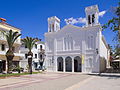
77, 64
60, 64
68, 64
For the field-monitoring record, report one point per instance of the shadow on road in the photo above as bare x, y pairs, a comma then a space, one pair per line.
108, 75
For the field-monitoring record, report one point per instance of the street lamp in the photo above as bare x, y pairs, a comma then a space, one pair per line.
42, 58
97, 50
52, 62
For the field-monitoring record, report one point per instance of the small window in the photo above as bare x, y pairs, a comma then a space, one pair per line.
50, 28
3, 47
40, 57
93, 18
53, 27
89, 21
36, 46
25, 46
35, 55
26, 55
40, 46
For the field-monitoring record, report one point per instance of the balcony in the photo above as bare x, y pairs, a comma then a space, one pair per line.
3, 39
16, 54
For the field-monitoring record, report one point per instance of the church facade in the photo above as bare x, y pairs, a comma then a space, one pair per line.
76, 49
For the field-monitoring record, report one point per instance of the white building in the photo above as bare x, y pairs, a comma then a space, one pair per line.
76, 49
36, 55
4, 47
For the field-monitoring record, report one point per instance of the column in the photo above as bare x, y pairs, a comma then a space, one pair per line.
6, 66
72, 64
63, 64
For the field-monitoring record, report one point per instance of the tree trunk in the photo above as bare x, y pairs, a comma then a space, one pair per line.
9, 56
30, 62
30, 65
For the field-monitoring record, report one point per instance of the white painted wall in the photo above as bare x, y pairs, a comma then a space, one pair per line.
77, 41
24, 61
74, 41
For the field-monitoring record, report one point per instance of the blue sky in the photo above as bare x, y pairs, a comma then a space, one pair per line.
31, 15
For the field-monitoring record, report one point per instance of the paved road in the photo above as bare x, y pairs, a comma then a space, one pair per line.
103, 82
61, 81
46, 81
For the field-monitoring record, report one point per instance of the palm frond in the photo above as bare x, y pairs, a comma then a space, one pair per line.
11, 37
29, 42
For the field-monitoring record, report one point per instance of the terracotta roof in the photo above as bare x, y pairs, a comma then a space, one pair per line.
4, 23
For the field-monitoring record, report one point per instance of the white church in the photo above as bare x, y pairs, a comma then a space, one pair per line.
76, 49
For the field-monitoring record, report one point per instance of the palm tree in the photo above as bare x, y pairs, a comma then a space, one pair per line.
11, 37
29, 42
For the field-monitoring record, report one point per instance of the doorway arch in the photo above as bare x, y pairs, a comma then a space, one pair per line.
60, 64
68, 64
77, 64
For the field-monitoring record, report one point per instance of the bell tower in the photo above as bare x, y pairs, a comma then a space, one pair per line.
92, 15
53, 24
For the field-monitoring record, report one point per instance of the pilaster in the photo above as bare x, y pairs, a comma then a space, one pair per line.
72, 64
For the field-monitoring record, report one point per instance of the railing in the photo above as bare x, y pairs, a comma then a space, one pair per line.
4, 39
16, 54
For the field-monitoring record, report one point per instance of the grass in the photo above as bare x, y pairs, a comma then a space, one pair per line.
17, 74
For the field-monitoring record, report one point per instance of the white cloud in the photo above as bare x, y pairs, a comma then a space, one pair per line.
101, 14
75, 21
81, 20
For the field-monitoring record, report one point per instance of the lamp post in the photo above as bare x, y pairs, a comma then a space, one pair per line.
42, 58
52, 62
97, 51
1, 68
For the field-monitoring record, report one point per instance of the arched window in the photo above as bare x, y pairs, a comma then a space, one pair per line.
93, 18
89, 19
50, 28
90, 42
2, 47
53, 27
26, 55
41, 57
35, 55
40, 46
36, 46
